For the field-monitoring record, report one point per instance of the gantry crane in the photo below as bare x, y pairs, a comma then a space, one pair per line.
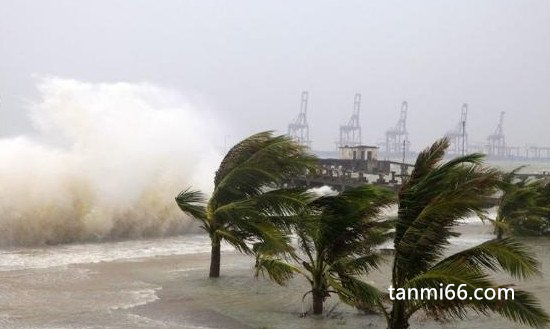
350, 134
299, 129
496, 142
397, 138
458, 137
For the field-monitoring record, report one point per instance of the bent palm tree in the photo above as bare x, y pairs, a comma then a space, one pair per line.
523, 207
247, 204
431, 202
337, 236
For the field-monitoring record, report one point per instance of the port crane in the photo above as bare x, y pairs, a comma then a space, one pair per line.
350, 133
299, 128
397, 138
458, 137
496, 142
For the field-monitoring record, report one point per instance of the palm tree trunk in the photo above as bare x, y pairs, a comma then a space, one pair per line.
215, 258
499, 233
398, 319
318, 298
500, 219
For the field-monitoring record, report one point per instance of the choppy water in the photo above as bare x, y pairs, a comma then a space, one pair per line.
160, 283
62, 255
532, 167
87, 285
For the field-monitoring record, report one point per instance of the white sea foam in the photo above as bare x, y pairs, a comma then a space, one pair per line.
69, 254
137, 298
323, 190
105, 161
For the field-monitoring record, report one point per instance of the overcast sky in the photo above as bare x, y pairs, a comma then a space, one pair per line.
250, 60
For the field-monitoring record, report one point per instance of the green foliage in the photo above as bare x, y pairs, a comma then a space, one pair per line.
249, 204
337, 237
524, 206
431, 203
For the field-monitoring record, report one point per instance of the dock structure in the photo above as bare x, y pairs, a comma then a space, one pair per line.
341, 174
357, 165
536, 152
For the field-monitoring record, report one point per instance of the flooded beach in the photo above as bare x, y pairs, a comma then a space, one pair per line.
162, 283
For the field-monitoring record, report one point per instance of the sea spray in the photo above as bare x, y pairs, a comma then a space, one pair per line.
105, 162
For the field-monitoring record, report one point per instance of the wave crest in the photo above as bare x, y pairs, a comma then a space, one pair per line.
105, 162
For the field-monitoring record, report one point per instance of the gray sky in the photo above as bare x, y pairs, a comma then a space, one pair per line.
249, 60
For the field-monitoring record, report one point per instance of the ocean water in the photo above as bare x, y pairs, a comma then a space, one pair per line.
161, 283
23, 258
532, 167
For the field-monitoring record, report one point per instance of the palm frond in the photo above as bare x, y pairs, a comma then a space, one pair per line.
260, 160
271, 239
358, 265
523, 206
505, 254
351, 220
356, 292
523, 308
238, 239
510, 176
192, 203
432, 203
277, 269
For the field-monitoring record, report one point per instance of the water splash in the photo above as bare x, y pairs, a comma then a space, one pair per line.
105, 162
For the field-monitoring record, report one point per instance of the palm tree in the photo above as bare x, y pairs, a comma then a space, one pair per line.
248, 204
431, 202
523, 206
337, 238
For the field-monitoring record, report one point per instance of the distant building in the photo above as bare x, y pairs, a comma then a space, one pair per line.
359, 152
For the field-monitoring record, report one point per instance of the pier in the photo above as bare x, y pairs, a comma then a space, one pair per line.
340, 174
